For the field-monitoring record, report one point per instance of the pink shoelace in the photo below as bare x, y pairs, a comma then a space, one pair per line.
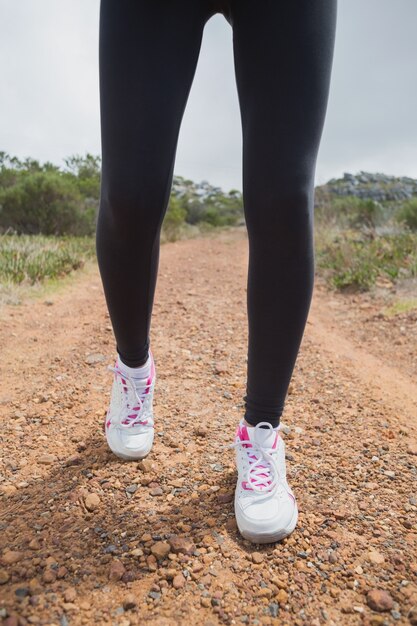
134, 418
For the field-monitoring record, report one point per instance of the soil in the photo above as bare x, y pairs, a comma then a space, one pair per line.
89, 539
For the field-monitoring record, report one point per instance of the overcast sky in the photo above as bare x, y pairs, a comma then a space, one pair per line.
49, 104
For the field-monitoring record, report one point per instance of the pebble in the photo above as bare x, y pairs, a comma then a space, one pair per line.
70, 594
95, 357
160, 549
257, 557
49, 576
116, 571
412, 448
4, 576
129, 602
146, 465
11, 556
46, 459
376, 557
379, 600
282, 597
8, 490
178, 581
92, 501
181, 545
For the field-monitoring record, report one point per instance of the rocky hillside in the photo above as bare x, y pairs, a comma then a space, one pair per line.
366, 185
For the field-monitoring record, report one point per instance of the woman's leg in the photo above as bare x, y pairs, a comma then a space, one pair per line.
283, 52
148, 52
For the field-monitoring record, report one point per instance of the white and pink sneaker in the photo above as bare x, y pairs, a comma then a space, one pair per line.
129, 425
265, 506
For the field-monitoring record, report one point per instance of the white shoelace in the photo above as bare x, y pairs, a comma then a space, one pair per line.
135, 418
264, 470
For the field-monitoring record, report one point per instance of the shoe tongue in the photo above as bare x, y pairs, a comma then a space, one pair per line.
265, 437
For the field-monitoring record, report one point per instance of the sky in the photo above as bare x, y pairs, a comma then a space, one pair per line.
49, 104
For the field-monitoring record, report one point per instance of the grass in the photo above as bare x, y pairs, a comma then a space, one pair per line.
28, 259
38, 266
348, 259
351, 260
401, 306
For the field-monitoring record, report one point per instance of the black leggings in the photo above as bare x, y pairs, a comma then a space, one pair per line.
283, 53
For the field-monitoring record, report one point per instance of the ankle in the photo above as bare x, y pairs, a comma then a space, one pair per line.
248, 425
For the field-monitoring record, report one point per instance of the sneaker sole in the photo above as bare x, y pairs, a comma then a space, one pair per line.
121, 455
126, 457
270, 537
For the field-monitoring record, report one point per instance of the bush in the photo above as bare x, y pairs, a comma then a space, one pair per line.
174, 220
356, 262
31, 258
354, 212
47, 203
407, 214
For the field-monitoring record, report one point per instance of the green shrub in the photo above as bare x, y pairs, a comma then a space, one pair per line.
352, 261
173, 220
354, 212
31, 258
407, 214
47, 203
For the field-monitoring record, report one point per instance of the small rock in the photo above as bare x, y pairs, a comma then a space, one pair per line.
412, 615
224, 498
282, 596
35, 587
91, 501
129, 602
34, 544
62, 572
95, 357
156, 491
8, 490
221, 367
412, 448
257, 557
178, 581
146, 465
181, 544
376, 557
160, 549
379, 600
4, 576
49, 576
138, 552
70, 594
117, 569
46, 459
155, 595
11, 556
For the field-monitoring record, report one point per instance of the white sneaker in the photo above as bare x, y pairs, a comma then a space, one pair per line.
265, 506
129, 425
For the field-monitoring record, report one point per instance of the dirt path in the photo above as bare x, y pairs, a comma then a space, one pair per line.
351, 461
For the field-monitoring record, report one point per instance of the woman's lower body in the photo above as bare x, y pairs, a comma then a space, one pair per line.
148, 53
283, 52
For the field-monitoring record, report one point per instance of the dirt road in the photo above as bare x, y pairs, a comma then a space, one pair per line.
87, 539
